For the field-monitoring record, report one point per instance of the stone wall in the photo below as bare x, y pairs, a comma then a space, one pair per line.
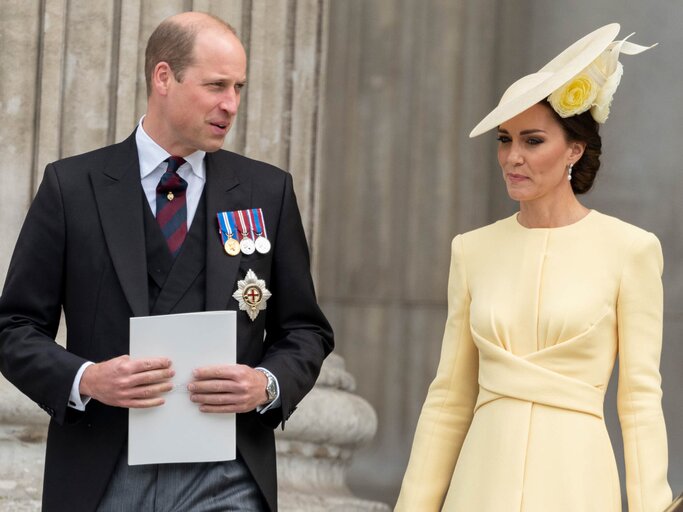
404, 82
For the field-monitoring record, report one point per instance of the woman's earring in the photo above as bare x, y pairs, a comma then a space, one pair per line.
569, 172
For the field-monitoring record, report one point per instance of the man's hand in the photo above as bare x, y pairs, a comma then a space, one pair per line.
228, 388
126, 382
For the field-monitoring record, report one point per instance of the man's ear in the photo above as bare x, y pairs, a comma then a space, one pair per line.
162, 76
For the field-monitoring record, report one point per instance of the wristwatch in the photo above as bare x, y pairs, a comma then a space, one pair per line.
271, 386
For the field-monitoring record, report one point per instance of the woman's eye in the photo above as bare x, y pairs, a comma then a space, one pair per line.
533, 141
503, 138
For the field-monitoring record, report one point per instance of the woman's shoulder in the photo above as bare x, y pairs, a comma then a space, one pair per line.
620, 232
489, 237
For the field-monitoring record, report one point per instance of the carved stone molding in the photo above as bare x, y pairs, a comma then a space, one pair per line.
315, 449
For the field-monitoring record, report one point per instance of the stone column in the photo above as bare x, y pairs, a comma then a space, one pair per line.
72, 81
315, 450
22, 424
405, 83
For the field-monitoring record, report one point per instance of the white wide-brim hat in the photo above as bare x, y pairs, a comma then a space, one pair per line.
529, 90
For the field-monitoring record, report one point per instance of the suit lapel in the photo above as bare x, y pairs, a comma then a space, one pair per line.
224, 192
118, 193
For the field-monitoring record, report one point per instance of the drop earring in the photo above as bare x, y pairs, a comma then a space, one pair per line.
569, 172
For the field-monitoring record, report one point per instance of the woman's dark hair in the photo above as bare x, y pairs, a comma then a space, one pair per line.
582, 128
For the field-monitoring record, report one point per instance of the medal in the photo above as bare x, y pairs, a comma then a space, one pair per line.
262, 243
251, 294
246, 243
226, 227
232, 246
170, 196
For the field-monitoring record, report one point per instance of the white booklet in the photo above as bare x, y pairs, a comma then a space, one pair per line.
177, 431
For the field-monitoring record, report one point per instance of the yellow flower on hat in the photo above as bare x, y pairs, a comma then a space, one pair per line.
574, 97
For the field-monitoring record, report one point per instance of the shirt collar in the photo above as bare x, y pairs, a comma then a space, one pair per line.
151, 154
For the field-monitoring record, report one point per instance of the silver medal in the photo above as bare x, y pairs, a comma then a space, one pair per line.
262, 244
247, 245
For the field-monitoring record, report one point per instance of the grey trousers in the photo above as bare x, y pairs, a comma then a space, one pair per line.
199, 487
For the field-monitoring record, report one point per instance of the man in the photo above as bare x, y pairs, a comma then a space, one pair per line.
100, 244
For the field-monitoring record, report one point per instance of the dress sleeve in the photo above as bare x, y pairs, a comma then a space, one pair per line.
639, 396
448, 409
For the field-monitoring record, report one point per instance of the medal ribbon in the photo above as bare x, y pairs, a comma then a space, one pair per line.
247, 216
233, 224
257, 215
224, 227
245, 231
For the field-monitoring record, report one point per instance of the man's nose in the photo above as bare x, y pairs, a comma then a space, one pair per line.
230, 101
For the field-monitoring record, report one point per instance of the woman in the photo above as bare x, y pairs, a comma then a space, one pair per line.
540, 305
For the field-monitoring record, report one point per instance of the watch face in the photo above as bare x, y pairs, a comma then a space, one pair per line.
270, 389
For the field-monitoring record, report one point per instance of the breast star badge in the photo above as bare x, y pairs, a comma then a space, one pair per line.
251, 294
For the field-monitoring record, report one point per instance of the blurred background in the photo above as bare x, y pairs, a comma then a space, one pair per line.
368, 103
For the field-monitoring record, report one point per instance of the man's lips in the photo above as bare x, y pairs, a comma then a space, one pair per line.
219, 125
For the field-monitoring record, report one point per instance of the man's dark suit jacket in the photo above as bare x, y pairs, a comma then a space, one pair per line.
82, 249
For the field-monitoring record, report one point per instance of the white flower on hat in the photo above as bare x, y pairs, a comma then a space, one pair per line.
608, 71
600, 108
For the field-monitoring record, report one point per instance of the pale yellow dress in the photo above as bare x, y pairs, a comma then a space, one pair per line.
513, 420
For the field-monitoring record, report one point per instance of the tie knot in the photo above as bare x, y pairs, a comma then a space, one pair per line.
174, 162
171, 180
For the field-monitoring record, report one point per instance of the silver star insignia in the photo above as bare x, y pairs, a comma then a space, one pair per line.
251, 294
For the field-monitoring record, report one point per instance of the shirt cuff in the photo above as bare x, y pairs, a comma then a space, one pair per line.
76, 400
275, 403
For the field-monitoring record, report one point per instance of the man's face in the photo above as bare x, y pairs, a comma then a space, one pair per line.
200, 109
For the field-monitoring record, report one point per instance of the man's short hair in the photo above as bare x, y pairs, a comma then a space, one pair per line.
173, 43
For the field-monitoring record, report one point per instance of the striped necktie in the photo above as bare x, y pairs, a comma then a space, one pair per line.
172, 206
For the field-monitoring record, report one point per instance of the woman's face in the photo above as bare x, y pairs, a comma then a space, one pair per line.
534, 155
